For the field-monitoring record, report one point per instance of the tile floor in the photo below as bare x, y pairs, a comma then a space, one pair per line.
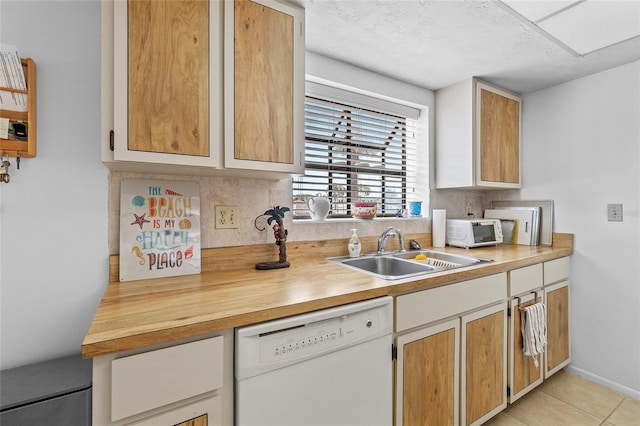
568, 400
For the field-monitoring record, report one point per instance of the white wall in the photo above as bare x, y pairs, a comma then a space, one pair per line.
53, 213
581, 148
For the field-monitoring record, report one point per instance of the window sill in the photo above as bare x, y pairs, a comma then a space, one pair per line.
355, 220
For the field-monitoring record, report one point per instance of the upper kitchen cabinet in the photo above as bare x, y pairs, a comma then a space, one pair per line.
477, 128
264, 86
162, 69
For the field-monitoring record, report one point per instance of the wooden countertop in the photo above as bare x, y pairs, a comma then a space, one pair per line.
231, 293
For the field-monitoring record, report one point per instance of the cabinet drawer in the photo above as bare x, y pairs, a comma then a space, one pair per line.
525, 279
432, 305
157, 378
556, 270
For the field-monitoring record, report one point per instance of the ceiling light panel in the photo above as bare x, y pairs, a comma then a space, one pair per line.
593, 25
536, 10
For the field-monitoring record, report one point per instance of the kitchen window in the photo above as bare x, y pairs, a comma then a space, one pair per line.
358, 149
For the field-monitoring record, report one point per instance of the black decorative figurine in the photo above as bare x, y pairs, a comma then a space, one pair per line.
276, 214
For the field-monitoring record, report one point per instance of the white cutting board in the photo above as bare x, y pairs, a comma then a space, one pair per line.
524, 218
546, 215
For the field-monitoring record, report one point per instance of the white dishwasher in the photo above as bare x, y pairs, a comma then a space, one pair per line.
328, 367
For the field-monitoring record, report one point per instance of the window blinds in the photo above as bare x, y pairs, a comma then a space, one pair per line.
355, 154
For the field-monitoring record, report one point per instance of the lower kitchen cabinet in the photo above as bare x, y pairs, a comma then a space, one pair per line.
546, 282
524, 375
428, 376
186, 383
525, 288
459, 347
484, 364
558, 353
452, 353
199, 421
556, 295
207, 412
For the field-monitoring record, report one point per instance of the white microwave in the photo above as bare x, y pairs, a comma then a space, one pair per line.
473, 232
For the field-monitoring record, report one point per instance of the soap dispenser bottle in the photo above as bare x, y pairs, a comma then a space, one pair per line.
354, 244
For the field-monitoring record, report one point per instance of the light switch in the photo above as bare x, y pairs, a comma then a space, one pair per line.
614, 212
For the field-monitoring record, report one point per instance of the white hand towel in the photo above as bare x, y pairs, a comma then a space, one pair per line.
533, 319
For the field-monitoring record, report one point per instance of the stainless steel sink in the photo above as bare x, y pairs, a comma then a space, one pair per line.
388, 267
404, 265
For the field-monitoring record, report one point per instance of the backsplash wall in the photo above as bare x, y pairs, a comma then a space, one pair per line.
254, 196
459, 202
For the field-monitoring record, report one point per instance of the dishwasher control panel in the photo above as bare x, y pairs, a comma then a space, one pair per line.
318, 337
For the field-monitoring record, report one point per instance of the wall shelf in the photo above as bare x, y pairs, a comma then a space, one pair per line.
22, 148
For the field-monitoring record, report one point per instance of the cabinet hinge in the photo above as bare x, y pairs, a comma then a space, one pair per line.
111, 143
394, 352
508, 391
509, 311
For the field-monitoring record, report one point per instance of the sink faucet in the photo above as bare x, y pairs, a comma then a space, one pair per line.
382, 240
401, 240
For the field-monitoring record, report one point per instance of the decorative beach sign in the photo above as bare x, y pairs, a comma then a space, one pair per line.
159, 229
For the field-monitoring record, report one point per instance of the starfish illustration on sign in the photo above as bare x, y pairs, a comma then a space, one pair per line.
140, 220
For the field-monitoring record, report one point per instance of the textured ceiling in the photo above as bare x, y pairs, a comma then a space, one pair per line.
433, 44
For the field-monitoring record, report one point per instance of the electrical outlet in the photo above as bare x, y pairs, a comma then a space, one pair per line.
614, 212
227, 217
